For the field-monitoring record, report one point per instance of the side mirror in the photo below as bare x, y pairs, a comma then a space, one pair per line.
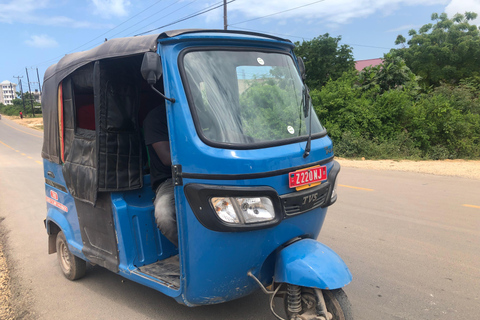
151, 67
301, 67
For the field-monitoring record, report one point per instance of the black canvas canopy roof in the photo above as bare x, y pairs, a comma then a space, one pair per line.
104, 155
67, 65
114, 48
122, 47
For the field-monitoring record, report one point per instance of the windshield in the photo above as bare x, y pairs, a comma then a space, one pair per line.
245, 97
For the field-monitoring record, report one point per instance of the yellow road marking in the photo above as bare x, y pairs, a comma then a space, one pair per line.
6, 145
23, 154
22, 130
358, 188
471, 206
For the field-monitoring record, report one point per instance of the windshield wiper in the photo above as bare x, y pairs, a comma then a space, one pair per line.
307, 113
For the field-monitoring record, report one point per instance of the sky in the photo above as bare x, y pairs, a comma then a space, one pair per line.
37, 33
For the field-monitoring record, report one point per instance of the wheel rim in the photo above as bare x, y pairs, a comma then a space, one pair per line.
64, 257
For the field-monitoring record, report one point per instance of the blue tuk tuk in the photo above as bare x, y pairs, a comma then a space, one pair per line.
252, 167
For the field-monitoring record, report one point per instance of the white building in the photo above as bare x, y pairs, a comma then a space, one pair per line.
36, 94
7, 92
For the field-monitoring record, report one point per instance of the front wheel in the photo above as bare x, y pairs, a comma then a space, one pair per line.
306, 304
73, 267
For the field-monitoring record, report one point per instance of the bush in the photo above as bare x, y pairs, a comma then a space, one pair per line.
17, 106
401, 147
399, 122
444, 126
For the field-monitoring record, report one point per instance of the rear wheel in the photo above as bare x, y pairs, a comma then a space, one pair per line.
311, 307
73, 267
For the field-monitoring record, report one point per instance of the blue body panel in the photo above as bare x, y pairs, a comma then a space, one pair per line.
213, 265
139, 240
309, 263
67, 221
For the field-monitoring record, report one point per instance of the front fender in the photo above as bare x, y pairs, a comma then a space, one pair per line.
309, 263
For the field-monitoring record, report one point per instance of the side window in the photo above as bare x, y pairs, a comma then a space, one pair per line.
84, 110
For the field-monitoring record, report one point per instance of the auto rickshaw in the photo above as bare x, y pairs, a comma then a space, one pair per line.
252, 166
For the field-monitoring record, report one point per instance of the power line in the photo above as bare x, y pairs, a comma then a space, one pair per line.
269, 15
134, 16
96, 44
187, 17
141, 28
280, 34
103, 34
367, 46
153, 14
304, 38
192, 15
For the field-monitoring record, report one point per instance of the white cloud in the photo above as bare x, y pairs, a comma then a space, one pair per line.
30, 12
109, 8
405, 27
41, 41
331, 12
461, 6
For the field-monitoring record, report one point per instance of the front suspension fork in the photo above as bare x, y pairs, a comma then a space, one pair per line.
294, 302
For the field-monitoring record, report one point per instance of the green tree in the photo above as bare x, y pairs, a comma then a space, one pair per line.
446, 50
324, 59
393, 73
17, 105
400, 40
365, 121
443, 124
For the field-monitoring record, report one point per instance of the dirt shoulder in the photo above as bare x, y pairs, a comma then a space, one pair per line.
457, 168
34, 123
6, 309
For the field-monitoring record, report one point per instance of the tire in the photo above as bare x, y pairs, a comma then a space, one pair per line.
336, 301
73, 267
338, 304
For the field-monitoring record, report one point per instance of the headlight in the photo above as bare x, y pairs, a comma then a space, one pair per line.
235, 209
243, 210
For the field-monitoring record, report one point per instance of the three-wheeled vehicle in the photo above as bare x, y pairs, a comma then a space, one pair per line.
252, 167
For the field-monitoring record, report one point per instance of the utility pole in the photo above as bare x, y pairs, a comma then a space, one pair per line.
30, 90
225, 15
21, 91
39, 85
23, 100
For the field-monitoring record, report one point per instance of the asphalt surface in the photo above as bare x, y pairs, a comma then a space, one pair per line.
411, 241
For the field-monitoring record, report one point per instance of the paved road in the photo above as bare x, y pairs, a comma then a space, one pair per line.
411, 244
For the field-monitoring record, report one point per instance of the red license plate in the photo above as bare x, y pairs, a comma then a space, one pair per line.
307, 176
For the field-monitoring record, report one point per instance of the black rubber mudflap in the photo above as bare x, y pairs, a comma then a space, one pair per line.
98, 232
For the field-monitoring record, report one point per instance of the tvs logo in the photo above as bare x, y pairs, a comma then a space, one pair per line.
53, 195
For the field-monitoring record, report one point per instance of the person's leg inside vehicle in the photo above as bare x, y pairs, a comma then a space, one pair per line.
165, 211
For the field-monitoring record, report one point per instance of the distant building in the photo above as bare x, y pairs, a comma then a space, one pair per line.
362, 64
36, 94
7, 92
